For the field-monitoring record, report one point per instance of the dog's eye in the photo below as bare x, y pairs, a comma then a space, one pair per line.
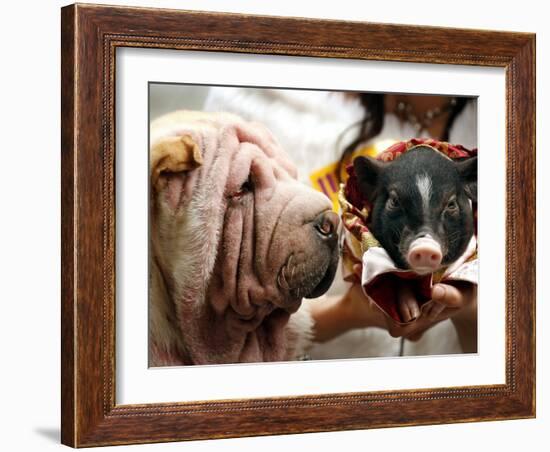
246, 187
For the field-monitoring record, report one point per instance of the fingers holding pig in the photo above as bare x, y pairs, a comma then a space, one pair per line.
407, 305
448, 301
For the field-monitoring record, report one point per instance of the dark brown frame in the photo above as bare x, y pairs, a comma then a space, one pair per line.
90, 34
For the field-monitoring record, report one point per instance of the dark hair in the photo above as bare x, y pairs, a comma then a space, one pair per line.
373, 122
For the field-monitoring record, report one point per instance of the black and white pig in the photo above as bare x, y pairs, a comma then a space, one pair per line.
421, 206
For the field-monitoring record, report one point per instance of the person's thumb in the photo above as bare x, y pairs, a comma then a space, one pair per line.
447, 295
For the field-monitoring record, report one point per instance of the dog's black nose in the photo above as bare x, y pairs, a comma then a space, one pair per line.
326, 224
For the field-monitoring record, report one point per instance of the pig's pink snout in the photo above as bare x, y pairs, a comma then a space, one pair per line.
424, 255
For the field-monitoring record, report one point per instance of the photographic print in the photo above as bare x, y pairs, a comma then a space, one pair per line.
280, 225
291, 224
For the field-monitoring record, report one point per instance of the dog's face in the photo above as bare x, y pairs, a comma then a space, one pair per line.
237, 239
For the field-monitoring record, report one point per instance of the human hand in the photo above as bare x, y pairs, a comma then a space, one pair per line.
337, 315
456, 300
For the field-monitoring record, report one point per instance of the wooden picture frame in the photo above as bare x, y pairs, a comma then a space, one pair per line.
90, 37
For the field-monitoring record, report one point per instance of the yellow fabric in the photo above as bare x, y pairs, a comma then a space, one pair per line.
320, 180
326, 179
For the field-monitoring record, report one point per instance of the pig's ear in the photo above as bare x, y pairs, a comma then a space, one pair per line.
171, 159
368, 171
468, 174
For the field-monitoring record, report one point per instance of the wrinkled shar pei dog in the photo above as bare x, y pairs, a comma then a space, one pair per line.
236, 243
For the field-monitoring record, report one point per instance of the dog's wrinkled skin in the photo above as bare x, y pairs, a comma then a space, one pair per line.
236, 243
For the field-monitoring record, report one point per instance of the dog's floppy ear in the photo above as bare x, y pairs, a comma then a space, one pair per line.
170, 159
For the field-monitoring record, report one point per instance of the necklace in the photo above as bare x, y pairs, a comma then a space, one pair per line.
405, 112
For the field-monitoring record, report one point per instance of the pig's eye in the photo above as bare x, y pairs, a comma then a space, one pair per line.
245, 188
393, 202
452, 206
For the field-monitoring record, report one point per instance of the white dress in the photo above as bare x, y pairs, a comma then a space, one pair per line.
314, 127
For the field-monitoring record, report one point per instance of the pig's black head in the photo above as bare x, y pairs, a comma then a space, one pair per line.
421, 210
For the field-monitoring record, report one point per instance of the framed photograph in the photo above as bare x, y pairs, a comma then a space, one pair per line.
282, 225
